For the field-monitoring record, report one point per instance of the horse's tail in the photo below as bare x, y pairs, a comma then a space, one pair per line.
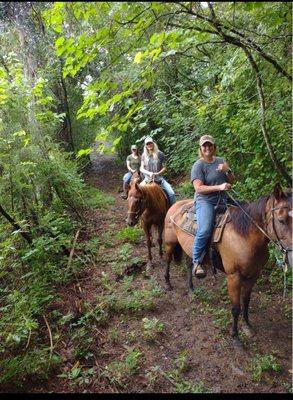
177, 253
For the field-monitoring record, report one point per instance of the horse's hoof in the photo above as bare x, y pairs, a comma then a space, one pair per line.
238, 345
169, 287
149, 268
248, 331
191, 294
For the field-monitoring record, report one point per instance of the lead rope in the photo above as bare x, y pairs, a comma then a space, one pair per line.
282, 264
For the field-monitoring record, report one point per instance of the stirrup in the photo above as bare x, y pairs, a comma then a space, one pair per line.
198, 271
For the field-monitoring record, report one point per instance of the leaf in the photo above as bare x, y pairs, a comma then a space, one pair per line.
137, 58
59, 41
83, 152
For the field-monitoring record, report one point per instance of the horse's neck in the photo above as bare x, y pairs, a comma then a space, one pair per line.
149, 197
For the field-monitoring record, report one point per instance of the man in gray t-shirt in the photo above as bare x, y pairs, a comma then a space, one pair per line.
209, 175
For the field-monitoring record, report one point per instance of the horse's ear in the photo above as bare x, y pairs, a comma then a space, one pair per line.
278, 192
137, 187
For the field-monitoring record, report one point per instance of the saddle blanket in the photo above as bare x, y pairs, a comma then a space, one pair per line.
185, 219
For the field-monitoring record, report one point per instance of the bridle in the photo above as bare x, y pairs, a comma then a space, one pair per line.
138, 213
279, 243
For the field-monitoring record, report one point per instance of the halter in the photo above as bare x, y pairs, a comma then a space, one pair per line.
140, 210
284, 249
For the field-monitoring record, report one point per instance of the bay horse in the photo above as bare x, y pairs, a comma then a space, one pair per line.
243, 247
150, 203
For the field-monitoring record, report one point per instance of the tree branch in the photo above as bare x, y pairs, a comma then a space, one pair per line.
25, 235
273, 157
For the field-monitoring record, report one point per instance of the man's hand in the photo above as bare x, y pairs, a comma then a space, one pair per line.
224, 167
224, 186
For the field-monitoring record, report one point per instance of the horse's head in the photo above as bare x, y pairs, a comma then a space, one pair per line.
135, 202
281, 225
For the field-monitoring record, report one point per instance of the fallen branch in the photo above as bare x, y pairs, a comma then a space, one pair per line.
72, 250
50, 335
28, 340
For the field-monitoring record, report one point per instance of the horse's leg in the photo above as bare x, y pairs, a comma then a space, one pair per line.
169, 256
246, 293
160, 240
147, 230
149, 244
189, 278
234, 290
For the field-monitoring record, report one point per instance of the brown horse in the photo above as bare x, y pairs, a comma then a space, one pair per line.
243, 247
150, 203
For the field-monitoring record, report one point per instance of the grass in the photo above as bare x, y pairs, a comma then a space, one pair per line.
119, 372
95, 198
260, 364
152, 328
130, 234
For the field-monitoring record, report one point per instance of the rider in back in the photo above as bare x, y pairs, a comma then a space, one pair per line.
133, 164
153, 165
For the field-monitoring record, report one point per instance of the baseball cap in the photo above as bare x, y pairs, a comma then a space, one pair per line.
206, 138
134, 147
148, 139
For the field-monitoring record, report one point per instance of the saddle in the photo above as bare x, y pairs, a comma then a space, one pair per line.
185, 219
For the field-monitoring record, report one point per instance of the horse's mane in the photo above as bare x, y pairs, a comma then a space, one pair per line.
155, 196
242, 224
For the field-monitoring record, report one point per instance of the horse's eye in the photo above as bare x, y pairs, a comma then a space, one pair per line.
282, 221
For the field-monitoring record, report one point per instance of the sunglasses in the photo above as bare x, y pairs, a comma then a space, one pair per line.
149, 143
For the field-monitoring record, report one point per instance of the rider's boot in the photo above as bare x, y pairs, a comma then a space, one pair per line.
124, 195
198, 271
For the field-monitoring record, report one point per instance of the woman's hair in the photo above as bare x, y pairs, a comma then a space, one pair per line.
146, 152
200, 155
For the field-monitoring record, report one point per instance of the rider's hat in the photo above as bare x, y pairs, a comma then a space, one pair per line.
148, 139
206, 138
134, 147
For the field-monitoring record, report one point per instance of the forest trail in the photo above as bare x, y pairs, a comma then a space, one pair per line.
193, 352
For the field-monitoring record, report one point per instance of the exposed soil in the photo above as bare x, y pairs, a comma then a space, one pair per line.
190, 325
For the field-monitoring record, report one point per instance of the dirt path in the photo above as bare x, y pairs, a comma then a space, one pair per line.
192, 353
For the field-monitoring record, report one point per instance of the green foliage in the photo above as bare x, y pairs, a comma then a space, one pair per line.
260, 364
126, 298
118, 372
188, 387
185, 190
182, 361
95, 198
130, 234
152, 328
181, 83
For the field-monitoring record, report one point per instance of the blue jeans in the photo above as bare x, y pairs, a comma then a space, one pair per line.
205, 214
127, 177
166, 187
